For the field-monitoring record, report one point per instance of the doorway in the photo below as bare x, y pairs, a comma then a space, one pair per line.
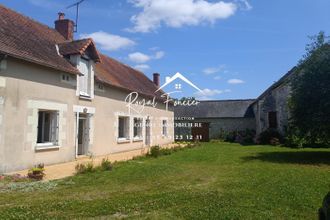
83, 134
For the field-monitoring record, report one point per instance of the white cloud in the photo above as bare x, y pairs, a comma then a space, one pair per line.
212, 70
208, 93
159, 54
178, 13
235, 81
142, 67
108, 41
138, 57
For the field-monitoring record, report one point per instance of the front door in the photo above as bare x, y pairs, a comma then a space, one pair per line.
83, 134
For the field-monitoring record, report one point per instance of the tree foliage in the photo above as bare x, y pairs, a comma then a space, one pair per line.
310, 98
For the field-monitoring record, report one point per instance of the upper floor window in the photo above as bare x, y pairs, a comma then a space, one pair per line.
85, 79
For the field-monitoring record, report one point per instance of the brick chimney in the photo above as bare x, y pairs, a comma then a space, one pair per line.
64, 26
156, 79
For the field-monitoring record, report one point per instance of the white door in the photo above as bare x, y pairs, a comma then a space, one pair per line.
83, 134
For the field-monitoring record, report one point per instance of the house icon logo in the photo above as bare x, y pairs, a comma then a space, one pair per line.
178, 86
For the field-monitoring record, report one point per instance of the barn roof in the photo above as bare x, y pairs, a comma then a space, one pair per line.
217, 109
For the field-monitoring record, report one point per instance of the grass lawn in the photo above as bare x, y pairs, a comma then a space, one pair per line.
213, 181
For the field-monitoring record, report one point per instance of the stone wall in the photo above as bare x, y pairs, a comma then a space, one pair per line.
274, 101
218, 124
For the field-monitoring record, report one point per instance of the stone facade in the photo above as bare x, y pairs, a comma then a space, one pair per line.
275, 101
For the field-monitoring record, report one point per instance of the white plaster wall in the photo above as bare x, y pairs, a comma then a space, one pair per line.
30, 87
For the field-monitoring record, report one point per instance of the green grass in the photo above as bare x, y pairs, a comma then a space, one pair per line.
213, 181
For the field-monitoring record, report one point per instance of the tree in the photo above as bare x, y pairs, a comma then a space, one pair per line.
310, 98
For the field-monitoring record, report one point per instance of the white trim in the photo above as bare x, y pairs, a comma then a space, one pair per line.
48, 147
2, 82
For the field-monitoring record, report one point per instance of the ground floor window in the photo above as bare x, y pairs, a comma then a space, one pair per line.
123, 128
164, 127
47, 127
137, 131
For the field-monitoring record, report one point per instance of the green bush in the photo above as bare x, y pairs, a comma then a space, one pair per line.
230, 136
270, 136
106, 165
85, 168
154, 151
245, 137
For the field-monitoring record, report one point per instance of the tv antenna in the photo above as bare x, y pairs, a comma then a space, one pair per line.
77, 13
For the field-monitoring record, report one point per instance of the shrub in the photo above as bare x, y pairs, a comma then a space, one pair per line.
230, 136
266, 136
245, 137
106, 165
85, 168
154, 151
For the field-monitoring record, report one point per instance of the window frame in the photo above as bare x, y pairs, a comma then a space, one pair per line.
52, 127
126, 130
139, 129
164, 127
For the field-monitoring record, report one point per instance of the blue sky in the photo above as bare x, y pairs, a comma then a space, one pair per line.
231, 49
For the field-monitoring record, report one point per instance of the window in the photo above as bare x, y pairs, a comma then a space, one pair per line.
137, 133
65, 78
85, 78
164, 126
101, 87
123, 128
47, 128
272, 119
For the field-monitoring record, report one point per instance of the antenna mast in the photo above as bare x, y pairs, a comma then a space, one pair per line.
77, 13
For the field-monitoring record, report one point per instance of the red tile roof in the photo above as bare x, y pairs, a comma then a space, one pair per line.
26, 39
114, 73
79, 47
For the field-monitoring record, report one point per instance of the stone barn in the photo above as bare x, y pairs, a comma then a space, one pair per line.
271, 107
209, 118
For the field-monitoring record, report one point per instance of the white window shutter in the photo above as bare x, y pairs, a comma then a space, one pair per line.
54, 127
